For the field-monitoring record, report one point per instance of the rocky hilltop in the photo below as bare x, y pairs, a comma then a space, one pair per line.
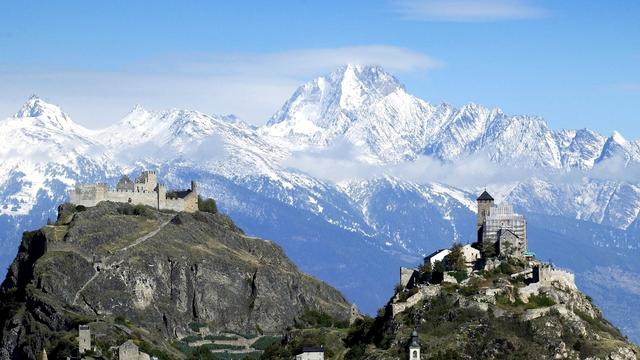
152, 274
500, 311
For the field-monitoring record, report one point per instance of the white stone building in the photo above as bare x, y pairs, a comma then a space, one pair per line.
311, 353
438, 255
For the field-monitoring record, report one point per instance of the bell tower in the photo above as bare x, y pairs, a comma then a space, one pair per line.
414, 346
485, 202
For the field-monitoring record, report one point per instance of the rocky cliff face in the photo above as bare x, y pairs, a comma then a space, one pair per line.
157, 271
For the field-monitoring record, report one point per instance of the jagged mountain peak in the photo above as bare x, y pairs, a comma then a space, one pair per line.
345, 89
40, 114
36, 106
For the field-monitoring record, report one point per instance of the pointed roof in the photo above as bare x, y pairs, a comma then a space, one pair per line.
415, 341
485, 196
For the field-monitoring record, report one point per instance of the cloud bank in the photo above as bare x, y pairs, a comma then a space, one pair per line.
468, 10
343, 162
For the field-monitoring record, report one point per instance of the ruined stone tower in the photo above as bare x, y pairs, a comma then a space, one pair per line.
84, 338
485, 202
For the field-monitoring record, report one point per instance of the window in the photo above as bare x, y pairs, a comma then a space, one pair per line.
415, 354
129, 201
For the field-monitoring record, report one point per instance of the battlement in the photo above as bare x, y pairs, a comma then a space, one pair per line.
145, 190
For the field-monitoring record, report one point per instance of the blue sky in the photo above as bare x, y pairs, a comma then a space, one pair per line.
576, 63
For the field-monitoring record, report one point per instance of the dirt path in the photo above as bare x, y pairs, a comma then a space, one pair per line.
107, 264
144, 238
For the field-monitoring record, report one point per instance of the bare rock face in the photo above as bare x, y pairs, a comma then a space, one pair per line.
158, 270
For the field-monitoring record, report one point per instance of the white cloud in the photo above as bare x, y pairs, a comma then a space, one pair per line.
250, 85
469, 10
342, 161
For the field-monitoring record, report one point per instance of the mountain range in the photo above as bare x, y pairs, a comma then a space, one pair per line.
355, 177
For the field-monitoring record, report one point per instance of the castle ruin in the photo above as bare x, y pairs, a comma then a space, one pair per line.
145, 190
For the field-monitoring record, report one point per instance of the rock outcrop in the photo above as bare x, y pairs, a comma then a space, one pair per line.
152, 270
492, 314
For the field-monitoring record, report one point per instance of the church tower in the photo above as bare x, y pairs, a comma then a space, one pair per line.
485, 202
414, 346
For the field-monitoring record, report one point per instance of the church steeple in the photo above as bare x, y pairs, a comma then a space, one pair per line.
414, 346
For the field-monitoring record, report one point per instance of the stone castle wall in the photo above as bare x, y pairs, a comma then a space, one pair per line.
91, 194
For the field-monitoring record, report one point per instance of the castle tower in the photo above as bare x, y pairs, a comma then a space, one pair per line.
161, 192
485, 202
414, 346
44, 356
194, 186
147, 181
84, 338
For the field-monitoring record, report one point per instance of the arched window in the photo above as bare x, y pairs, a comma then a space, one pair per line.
415, 354
129, 201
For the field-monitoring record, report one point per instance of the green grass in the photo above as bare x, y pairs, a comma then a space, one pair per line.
195, 326
220, 337
263, 342
192, 338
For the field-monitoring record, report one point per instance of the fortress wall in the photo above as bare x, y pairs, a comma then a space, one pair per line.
90, 195
143, 198
191, 202
174, 204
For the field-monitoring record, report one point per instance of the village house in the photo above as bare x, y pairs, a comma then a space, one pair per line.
311, 353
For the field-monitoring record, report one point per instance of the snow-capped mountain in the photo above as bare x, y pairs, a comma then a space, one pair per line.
355, 233
372, 110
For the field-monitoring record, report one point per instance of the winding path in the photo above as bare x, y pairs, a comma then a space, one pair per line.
107, 264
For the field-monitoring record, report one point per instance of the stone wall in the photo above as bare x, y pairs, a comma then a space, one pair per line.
91, 195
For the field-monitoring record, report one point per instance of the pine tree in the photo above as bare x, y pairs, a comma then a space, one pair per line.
455, 260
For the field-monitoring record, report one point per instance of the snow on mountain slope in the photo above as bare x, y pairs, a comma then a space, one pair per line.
606, 202
365, 105
220, 143
383, 221
42, 146
373, 111
580, 148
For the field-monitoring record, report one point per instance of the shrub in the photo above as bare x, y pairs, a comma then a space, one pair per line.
191, 338
220, 337
314, 318
195, 326
207, 205
141, 210
540, 300
459, 275
264, 342
404, 295
506, 268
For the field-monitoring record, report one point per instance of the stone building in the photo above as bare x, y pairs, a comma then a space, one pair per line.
129, 351
500, 226
84, 338
145, 190
311, 353
510, 244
